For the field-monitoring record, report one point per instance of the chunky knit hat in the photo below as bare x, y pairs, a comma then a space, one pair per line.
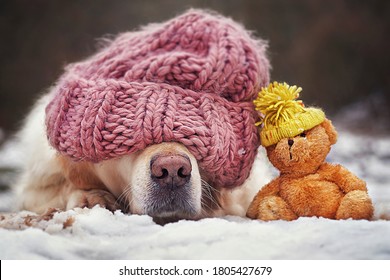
282, 116
190, 80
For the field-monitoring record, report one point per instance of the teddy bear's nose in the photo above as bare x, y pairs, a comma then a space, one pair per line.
290, 142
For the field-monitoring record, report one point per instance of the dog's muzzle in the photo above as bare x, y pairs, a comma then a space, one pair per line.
172, 195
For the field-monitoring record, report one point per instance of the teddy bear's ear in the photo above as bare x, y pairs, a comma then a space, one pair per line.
330, 130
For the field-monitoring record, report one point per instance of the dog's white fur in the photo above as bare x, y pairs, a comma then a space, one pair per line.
49, 180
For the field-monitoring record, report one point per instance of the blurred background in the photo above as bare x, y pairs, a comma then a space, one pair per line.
338, 51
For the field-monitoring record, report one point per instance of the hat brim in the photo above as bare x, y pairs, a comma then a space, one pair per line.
306, 120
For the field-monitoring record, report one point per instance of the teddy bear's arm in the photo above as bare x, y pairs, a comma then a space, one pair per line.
272, 188
268, 205
341, 176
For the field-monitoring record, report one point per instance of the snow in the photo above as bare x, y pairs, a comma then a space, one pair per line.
99, 234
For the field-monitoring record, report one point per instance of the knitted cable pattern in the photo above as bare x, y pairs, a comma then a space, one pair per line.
190, 80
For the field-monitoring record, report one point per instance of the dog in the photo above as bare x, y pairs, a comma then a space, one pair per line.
162, 181
187, 84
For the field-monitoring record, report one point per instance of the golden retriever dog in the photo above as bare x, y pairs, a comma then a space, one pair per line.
137, 183
187, 84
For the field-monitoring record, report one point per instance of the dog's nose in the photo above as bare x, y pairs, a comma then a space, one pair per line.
290, 142
172, 171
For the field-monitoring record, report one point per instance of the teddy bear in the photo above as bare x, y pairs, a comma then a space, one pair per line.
297, 140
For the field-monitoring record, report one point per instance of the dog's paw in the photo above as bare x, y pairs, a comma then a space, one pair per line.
91, 198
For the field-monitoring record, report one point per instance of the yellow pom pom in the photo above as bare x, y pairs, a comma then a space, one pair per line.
281, 115
277, 103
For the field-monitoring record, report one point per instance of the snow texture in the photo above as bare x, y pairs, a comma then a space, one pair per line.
99, 234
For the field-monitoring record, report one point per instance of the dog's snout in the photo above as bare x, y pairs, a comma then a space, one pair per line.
171, 171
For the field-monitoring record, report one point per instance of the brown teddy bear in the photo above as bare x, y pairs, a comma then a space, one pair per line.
297, 140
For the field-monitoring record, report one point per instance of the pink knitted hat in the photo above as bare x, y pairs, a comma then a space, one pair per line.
190, 80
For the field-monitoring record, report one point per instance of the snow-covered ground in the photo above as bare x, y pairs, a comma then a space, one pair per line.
99, 234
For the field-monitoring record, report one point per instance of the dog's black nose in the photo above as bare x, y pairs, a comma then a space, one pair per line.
170, 171
290, 142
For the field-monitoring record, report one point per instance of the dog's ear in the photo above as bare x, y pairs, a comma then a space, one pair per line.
330, 130
80, 174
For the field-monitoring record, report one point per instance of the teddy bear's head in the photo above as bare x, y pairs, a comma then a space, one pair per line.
304, 153
297, 138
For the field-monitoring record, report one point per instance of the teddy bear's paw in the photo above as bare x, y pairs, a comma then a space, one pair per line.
356, 205
274, 208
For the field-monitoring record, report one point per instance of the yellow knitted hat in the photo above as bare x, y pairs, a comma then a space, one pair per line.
282, 116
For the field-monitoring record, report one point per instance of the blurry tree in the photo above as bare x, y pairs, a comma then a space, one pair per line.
336, 50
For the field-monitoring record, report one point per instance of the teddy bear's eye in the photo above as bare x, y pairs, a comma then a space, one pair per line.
302, 134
